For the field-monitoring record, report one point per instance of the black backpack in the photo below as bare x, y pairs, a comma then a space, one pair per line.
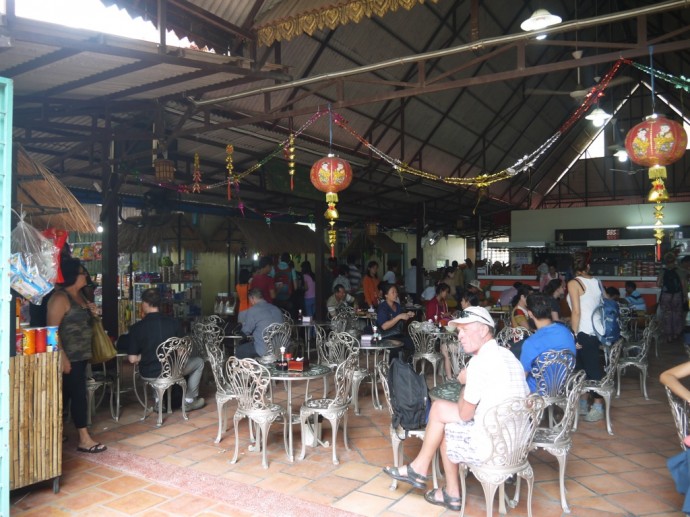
671, 282
409, 396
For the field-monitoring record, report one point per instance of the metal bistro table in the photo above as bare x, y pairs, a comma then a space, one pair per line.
447, 391
307, 331
315, 371
379, 347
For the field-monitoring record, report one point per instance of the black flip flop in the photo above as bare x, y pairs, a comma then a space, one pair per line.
94, 449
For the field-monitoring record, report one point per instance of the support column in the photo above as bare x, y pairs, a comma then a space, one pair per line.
109, 279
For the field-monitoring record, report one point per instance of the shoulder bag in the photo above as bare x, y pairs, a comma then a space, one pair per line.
102, 348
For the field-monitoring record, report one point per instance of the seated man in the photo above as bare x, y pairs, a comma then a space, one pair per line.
549, 335
254, 321
151, 331
633, 297
491, 377
339, 298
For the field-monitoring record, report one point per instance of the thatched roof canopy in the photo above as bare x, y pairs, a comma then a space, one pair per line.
175, 231
258, 235
45, 200
364, 242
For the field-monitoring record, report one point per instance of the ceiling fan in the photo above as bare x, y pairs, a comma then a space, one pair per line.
431, 238
580, 91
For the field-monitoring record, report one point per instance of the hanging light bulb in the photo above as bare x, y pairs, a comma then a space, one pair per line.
99, 228
154, 249
598, 116
621, 155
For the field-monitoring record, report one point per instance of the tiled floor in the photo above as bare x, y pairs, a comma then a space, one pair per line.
178, 470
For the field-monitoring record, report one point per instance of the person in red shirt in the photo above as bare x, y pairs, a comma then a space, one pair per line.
262, 281
437, 308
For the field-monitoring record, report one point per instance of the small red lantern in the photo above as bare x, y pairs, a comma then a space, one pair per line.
331, 175
656, 142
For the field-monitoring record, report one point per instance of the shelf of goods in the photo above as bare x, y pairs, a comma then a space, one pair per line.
179, 299
35, 441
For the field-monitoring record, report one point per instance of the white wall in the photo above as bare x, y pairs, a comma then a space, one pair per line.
539, 225
447, 248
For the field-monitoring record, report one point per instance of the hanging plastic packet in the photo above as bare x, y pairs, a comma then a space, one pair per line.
33, 264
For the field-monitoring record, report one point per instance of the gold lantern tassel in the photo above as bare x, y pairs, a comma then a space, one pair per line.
228, 165
196, 176
291, 161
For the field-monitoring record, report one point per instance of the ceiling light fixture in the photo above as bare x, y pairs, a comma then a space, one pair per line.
540, 19
541, 37
154, 249
598, 116
99, 228
621, 155
652, 226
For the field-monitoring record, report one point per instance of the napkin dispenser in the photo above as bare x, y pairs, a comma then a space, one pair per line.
306, 319
365, 340
300, 365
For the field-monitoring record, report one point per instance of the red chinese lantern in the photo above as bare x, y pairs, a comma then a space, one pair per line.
331, 175
656, 142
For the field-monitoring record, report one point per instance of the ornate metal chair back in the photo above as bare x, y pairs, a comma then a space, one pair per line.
276, 335
250, 381
680, 411
173, 354
424, 336
612, 367
343, 379
551, 370
573, 389
509, 335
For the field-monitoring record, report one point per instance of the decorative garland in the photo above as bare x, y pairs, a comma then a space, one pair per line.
287, 148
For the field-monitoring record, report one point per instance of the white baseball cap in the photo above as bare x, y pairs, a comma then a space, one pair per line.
472, 315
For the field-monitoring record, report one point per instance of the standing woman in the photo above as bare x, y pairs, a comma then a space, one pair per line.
309, 289
584, 295
370, 284
242, 290
673, 299
555, 290
71, 313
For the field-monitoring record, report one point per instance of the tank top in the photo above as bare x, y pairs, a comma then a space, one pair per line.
588, 302
75, 332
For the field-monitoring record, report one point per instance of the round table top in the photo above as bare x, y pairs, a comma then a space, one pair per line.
313, 372
383, 345
447, 391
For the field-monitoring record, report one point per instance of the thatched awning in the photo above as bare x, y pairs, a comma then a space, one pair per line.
364, 242
259, 236
45, 200
175, 231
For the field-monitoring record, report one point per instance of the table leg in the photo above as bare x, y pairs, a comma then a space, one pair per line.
374, 382
289, 417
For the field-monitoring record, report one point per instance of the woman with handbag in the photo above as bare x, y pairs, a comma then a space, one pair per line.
72, 313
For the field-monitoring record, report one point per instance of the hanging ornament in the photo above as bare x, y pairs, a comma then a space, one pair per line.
331, 175
656, 142
482, 193
196, 176
658, 230
241, 207
268, 219
290, 156
229, 149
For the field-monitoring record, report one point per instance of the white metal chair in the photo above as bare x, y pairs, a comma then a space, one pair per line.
604, 387
551, 370
172, 354
275, 336
635, 355
250, 381
332, 409
425, 336
398, 435
224, 389
509, 427
680, 410
457, 357
557, 439
335, 349
508, 336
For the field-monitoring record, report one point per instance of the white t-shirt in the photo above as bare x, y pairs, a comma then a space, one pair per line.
389, 277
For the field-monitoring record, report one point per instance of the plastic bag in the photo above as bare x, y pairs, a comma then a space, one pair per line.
33, 265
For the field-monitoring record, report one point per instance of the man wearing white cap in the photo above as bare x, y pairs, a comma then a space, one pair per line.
492, 376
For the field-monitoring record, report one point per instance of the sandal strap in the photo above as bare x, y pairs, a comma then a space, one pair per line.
449, 499
414, 475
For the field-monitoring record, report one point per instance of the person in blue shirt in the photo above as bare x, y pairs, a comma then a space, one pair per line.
634, 298
550, 335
